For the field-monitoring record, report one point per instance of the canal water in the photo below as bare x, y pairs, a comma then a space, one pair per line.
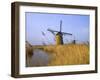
39, 58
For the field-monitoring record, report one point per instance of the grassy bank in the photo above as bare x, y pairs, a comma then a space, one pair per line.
69, 54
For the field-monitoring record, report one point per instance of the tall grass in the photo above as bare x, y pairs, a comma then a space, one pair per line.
69, 54
29, 49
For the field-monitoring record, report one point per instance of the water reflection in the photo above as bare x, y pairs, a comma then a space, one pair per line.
38, 58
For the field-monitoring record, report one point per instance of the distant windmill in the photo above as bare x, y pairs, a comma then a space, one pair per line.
59, 34
75, 41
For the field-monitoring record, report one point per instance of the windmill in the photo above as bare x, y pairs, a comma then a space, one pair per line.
59, 34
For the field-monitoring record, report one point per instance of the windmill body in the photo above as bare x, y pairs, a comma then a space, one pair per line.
59, 35
59, 38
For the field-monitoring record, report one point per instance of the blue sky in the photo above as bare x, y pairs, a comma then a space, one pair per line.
38, 23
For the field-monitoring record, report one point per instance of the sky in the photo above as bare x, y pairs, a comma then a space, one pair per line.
37, 24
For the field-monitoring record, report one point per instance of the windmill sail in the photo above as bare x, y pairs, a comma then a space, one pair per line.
60, 25
64, 33
52, 31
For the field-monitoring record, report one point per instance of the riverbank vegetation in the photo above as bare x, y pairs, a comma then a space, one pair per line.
69, 54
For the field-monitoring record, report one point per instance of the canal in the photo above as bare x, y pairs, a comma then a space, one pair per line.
39, 58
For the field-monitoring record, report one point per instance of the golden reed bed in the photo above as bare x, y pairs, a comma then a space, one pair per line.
69, 54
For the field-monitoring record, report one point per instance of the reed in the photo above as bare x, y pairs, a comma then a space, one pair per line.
69, 54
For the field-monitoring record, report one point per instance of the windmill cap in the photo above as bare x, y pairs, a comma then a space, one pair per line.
59, 33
